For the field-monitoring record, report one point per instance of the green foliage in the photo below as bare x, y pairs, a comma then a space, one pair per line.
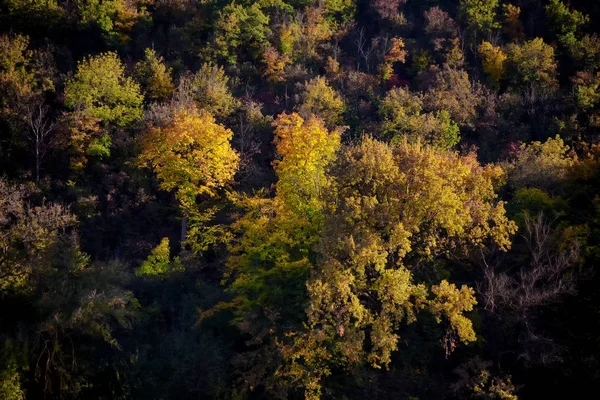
532, 63
30, 6
398, 111
421, 60
154, 76
269, 262
36, 13
209, 88
114, 18
480, 14
239, 27
533, 201
10, 387
159, 262
101, 13
565, 23
100, 147
274, 252
541, 165
586, 90
313, 263
100, 99
403, 118
101, 90
278, 235
320, 100
10, 380
342, 10
449, 133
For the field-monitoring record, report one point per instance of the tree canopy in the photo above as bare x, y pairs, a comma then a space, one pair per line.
299, 199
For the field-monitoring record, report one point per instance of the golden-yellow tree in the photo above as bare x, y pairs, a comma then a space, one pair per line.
278, 235
492, 58
191, 155
390, 209
274, 250
305, 148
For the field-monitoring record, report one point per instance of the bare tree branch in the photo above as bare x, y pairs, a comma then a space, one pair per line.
39, 133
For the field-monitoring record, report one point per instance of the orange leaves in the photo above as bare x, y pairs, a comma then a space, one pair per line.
275, 64
397, 52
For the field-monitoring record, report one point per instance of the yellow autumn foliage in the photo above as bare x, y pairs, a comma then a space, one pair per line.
493, 59
305, 148
389, 207
192, 154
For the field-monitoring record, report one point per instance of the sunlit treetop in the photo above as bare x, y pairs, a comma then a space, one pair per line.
403, 119
480, 14
542, 165
532, 62
238, 27
209, 87
493, 59
564, 20
270, 261
391, 208
191, 155
306, 147
24, 73
159, 262
101, 90
154, 76
321, 100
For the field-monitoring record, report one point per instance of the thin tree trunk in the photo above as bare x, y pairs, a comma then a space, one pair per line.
183, 229
37, 161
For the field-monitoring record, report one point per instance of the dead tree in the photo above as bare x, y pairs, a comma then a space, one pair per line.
39, 134
548, 276
363, 51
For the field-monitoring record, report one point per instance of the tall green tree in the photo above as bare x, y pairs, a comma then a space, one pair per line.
480, 15
100, 97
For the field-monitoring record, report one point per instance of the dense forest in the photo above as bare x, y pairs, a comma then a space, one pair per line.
299, 199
